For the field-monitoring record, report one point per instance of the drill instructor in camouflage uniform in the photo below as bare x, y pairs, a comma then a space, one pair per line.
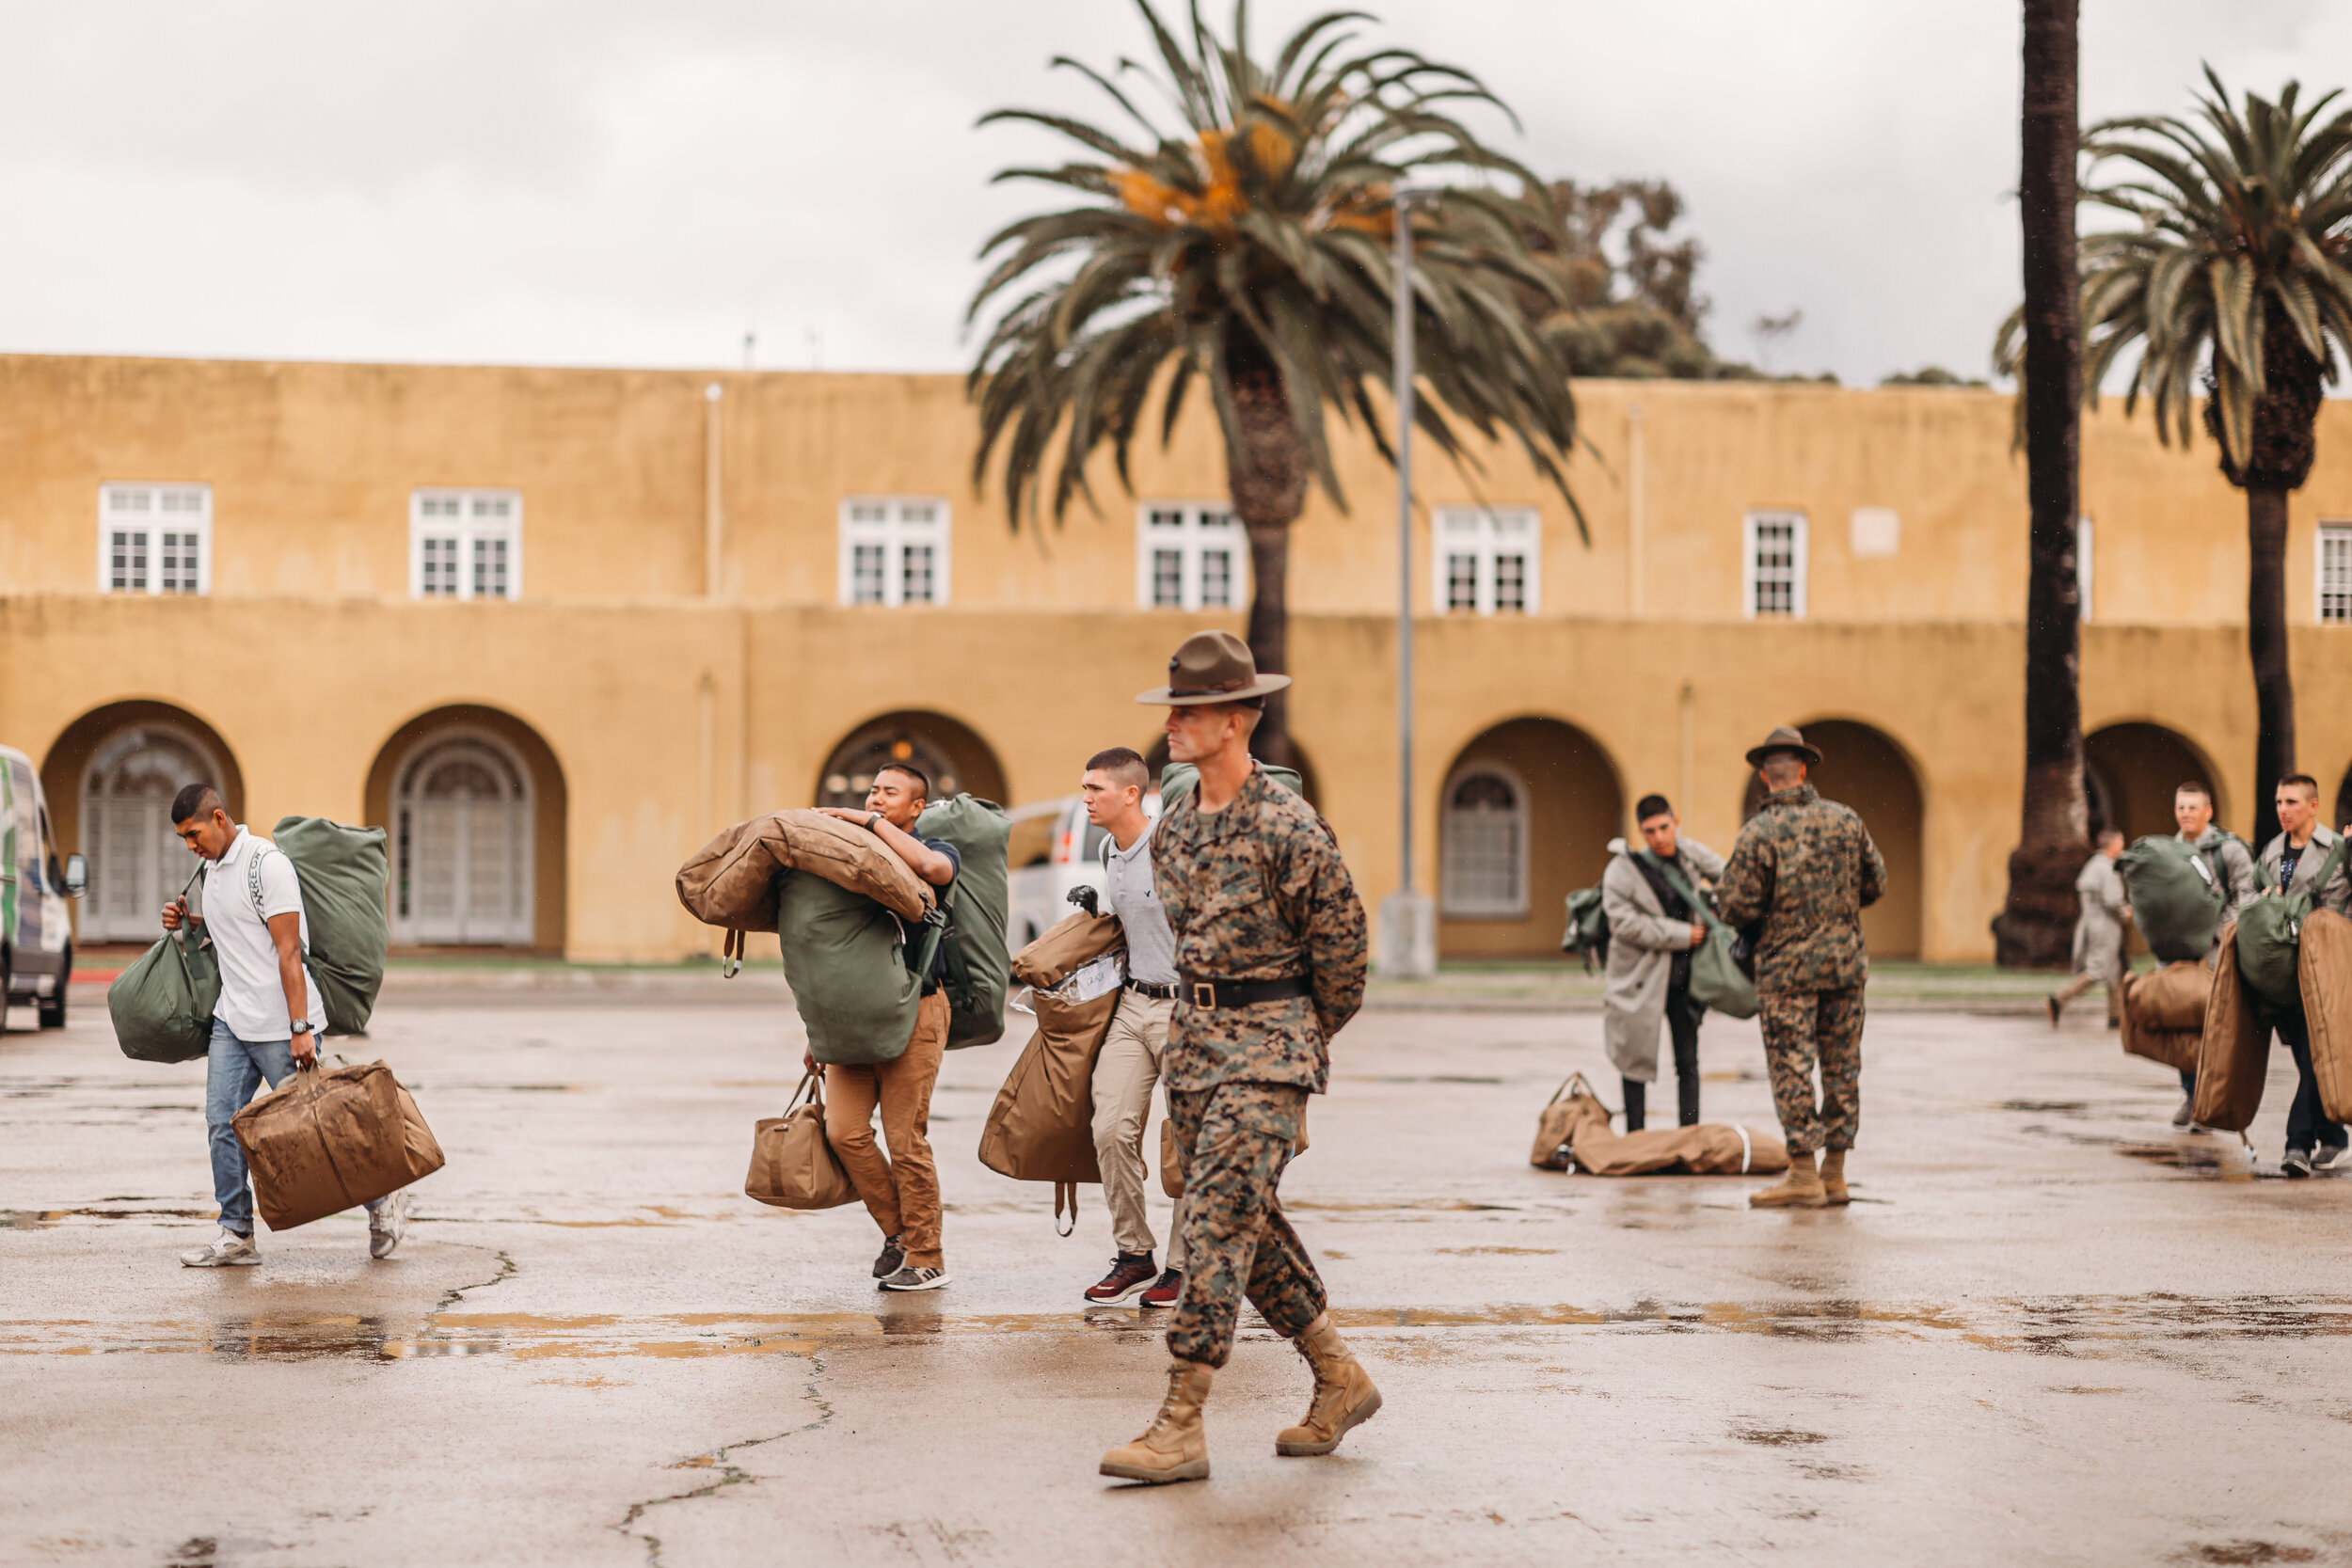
1805, 867
1270, 953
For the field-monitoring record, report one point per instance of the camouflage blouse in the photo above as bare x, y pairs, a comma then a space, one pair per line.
1257, 892
1806, 867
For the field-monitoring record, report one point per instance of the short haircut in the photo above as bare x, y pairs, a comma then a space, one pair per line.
196, 800
2305, 779
1782, 768
1649, 806
1122, 763
2193, 786
922, 780
2110, 835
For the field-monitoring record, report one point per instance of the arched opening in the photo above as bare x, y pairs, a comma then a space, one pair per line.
1524, 815
109, 780
954, 759
1156, 758
1862, 768
2130, 771
473, 804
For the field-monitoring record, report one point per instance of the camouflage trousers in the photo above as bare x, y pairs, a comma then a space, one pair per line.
1233, 1141
1801, 1027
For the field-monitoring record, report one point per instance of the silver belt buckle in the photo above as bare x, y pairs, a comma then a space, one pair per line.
1204, 995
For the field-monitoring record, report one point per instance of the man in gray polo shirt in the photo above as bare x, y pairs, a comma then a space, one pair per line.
1129, 1064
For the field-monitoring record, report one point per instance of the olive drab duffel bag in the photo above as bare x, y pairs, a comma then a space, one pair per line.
1041, 1126
855, 971
2268, 936
979, 964
2164, 1013
1587, 935
162, 1004
2179, 895
1717, 980
344, 874
2326, 966
793, 1164
736, 881
2233, 1054
333, 1137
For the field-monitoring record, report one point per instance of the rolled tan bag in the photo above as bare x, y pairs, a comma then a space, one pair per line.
731, 881
1711, 1149
2164, 1013
793, 1164
331, 1138
2233, 1055
2323, 971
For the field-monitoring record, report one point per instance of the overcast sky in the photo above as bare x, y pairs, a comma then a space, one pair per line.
587, 183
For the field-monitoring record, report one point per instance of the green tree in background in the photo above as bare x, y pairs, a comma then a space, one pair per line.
1628, 302
1245, 253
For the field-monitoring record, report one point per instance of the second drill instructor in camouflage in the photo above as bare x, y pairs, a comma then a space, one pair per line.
1270, 953
1807, 868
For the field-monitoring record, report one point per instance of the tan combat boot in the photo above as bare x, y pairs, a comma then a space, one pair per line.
1800, 1188
1173, 1447
1344, 1397
1833, 1191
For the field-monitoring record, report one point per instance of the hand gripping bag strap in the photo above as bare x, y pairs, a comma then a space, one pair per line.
731, 955
1716, 979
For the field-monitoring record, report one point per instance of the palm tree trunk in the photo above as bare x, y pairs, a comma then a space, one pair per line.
1266, 472
2267, 644
2036, 926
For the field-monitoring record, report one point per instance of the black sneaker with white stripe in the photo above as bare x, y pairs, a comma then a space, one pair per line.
916, 1280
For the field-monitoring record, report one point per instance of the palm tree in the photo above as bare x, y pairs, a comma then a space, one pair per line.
1247, 253
2036, 925
2232, 280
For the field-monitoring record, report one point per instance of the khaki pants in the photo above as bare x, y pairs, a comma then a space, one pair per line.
2112, 979
1124, 1072
901, 1192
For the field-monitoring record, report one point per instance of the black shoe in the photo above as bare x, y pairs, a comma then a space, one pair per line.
2296, 1162
1129, 1272
2055, 1008
893, 1258
916, 1280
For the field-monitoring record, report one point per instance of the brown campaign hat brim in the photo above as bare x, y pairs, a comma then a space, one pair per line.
1757, 757
1169, 696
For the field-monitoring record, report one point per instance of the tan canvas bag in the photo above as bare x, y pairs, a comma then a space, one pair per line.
793, 1164
1068, 946
2233, 1054
2164, 1013
2323, 971
731, 881
1713, 1149
331, 1138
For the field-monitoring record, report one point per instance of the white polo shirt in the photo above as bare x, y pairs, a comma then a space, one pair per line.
252, 995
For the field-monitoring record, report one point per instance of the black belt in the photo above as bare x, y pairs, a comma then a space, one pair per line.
1157, 993
1241, 994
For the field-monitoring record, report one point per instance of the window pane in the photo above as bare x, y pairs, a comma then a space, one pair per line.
1482, 833
1168, 579
923, 517
866, 575
436, 572
866, 512
2335, 574
489, 568
127, 561
1216, 579
1461, 582
1167, 519
1511, 583
915, 580
177, 564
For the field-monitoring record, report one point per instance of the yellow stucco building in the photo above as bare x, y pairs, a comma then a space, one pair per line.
554, 627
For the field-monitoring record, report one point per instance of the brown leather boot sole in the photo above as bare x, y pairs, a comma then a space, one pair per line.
1786, 1196
1191, 1470
1354, 1419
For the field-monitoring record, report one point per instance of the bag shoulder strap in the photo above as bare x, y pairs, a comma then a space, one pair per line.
1065, 1199
2329, 867
1673, 872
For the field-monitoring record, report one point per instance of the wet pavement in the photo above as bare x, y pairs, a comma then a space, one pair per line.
2049, 1330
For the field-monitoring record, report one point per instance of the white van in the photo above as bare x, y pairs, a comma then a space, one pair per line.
1053, 848
36, 936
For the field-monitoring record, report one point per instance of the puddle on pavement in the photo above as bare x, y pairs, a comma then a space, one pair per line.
34, 1219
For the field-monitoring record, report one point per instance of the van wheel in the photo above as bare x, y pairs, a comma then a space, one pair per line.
53, 1006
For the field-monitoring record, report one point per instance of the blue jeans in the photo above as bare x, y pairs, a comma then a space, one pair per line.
232, 1071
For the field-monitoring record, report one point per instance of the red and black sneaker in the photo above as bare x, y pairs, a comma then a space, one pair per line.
1129, 1272
1171, 1286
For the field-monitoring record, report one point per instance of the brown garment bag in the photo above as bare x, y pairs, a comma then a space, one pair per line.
793, 1164
2323, 971
2164, 1013
2234, 1053
1042, 1127
731, 881
331, 1138
1575, 1119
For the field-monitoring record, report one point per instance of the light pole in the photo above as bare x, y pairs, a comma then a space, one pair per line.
1408, 920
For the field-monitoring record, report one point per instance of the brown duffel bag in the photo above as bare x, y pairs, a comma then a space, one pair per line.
2164, 1013
1041, 1126
793, 1164
1574, 1132
2233, 1055
333, 1137
1172, 1161
2323, 971
731, 881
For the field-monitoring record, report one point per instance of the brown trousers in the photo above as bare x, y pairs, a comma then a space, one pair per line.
902, 1191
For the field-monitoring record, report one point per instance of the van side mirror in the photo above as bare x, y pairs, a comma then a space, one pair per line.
76, 876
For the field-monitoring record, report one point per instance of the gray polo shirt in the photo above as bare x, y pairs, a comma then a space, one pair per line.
1127, 882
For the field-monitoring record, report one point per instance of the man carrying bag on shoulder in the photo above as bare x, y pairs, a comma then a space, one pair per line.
1653, 930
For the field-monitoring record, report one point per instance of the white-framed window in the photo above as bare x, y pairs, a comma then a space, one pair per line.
1483, 845
894, 551
1190, 556
1489, 560
1772, 564
155, 539
465, 544
2332, 576
2082, 568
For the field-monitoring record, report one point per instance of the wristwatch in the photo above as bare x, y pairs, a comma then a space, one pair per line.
872, 817
300, 1026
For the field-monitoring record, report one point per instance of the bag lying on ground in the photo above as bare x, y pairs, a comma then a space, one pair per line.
1042, 1127
344, 875
1574, 1133
793, 1164
331, 1138
976, 903
1174, 1163
2233, 1055
2178, 894
1587, 935
1717, 981
2326, 967
846, 959
2164, 1013
162, 1004
2268, 932
735, 880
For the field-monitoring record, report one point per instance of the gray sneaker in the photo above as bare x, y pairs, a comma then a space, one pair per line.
2327, 1157
227, 1250
2296, 1162
385, 1221
916, 1280
2189, 1103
